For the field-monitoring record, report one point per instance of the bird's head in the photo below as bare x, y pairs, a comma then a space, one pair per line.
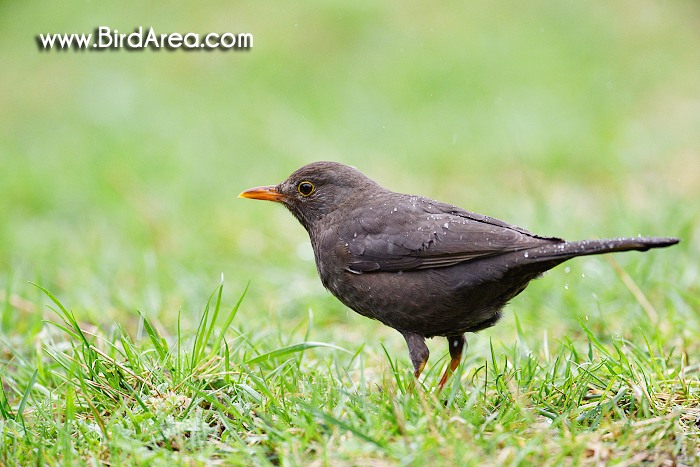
315, 190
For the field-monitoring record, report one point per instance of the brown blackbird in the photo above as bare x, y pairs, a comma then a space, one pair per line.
422, 267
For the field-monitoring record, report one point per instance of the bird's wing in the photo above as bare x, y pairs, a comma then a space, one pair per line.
427, 234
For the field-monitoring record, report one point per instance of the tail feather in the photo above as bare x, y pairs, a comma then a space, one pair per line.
566, 250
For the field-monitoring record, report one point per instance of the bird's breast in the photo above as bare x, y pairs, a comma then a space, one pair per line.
331, 254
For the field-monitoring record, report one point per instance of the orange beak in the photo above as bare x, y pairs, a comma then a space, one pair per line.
267, 193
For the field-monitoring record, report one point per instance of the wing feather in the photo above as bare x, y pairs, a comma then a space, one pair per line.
420, 233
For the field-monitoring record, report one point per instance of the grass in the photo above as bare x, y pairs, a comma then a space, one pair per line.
220, 395
121, 343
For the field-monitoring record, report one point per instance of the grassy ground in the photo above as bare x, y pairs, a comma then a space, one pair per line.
120, 344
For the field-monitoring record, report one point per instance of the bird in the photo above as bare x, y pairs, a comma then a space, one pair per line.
423, 267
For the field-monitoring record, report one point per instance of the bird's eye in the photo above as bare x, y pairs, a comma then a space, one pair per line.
305, 188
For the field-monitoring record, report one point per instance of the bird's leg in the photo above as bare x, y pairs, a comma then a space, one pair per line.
456, 344
417, 350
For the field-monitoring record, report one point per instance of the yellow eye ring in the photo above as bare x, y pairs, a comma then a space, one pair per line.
305, 188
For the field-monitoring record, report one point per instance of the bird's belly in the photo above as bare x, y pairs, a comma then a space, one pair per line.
432, 302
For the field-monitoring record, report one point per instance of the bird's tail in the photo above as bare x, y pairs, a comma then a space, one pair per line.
565, 250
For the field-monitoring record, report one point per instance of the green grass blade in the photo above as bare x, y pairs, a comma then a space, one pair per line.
294, 349
25, 397
229, 320
203, 330
158, 342
328, 418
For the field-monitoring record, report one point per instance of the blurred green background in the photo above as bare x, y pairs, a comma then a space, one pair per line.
119, 171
